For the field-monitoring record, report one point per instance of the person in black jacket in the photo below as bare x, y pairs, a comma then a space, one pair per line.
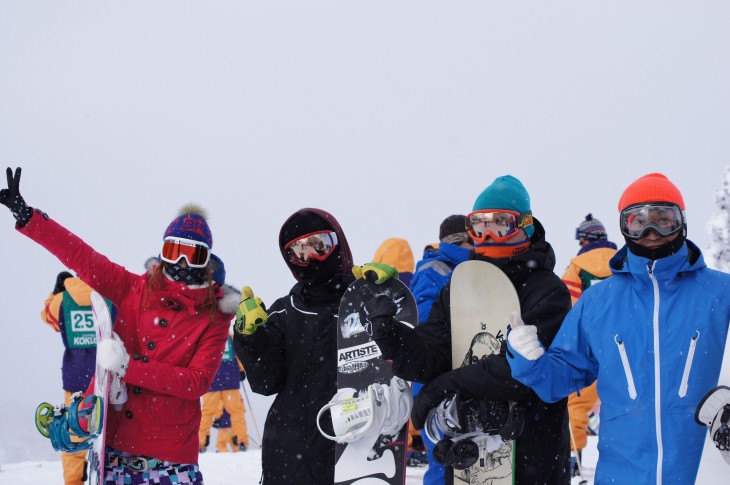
506, 235
294, 355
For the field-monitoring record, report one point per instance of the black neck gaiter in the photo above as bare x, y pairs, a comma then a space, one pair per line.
189, 276
658, 253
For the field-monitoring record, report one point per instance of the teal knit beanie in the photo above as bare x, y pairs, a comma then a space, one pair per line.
506, 192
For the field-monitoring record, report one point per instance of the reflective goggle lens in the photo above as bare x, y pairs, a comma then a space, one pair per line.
636, 221
317, 245
501, 225
195, 253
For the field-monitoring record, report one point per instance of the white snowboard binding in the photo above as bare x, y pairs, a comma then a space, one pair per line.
383, 409
714, 412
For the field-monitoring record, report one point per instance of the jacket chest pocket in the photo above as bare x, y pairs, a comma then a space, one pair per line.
692, 345
621, 347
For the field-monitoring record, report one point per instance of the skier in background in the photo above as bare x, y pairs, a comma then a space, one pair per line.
396, 252
587, 268
224, 395
432, 273
506, 235
167, 342
68, 311
653, 335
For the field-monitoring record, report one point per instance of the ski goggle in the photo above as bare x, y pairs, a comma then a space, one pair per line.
196, 253
638, 220
499, 224
316, 245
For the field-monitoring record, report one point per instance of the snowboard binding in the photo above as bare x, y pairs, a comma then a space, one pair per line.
455, 416
73, 428
454, 422
714, 412
382, 410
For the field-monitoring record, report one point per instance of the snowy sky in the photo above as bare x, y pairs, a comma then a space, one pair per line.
390, 115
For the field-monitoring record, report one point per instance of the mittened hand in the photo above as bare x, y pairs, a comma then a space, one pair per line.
375, 272
12, 199
112, 356
251, 313
523, 338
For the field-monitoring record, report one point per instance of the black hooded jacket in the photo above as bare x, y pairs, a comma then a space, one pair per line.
294, 355
424, 354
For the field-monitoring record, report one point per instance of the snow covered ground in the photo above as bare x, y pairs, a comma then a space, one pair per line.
245, 468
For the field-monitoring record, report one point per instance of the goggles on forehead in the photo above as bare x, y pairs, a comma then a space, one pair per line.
501, 225
638, 220
315, 245
197, 254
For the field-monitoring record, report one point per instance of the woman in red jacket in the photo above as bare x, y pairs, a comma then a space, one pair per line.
172, 328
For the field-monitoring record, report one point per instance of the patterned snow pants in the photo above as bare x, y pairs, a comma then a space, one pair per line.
170, 474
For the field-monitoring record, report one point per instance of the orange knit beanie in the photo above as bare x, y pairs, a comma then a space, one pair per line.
654, 187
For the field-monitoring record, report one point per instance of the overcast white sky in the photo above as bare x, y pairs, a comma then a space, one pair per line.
390, 115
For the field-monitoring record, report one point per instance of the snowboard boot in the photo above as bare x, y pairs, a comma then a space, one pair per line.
238, 446
417, 458
204, 446
574, 469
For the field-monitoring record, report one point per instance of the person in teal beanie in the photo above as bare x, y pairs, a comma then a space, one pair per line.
506, 235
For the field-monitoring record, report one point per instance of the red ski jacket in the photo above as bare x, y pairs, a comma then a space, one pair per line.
174, 347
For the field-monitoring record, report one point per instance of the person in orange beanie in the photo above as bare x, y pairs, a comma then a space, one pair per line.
653, 336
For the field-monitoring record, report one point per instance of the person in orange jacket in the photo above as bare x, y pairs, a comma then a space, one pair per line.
589, 267
397, 252
225, 395
68, 311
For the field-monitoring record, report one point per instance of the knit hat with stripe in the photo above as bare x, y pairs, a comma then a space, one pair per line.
591, 229
191, 224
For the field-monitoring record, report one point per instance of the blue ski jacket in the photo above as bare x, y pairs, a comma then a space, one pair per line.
431, 275
654, 336
433, 272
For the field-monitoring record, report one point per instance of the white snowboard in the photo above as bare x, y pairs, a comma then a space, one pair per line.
102, 378
482, 300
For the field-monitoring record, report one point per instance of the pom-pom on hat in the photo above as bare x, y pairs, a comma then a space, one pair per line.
453, 230
191, 224
654, 187
506, 193
591, 229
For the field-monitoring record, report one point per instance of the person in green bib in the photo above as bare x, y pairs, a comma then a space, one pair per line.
68, 311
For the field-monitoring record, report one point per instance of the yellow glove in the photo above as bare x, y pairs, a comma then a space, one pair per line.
251, 313
380, 272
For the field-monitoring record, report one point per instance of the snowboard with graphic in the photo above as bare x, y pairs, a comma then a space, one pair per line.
380, 460
482, 300
102, 378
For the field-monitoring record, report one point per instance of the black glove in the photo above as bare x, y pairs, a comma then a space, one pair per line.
379, 313
12, 199
242, 375
60, 279
431, 396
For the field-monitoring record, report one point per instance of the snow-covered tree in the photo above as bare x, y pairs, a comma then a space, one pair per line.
718, 253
